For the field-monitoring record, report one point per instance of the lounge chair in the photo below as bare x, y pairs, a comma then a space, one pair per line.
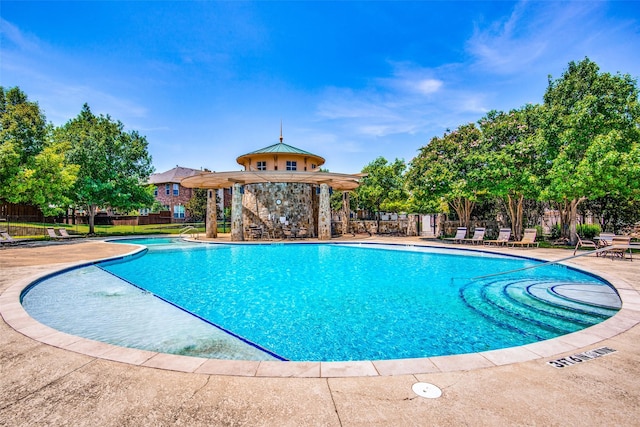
478, 236
619, 247
528, 239
604, 239
52, 234
587, 244
503, 238
459, 237
65, 235
6, 238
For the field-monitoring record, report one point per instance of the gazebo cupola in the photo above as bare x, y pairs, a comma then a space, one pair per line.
280, 157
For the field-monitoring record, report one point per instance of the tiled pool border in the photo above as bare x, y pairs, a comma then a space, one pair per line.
14, 315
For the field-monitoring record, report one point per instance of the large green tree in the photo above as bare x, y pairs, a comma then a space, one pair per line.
512, 161
114, 164
592, 135
445, 173
382, 189
32, 164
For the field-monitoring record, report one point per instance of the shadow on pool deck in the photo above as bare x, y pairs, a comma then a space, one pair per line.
43, 384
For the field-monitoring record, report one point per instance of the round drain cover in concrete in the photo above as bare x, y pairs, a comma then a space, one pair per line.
427, 390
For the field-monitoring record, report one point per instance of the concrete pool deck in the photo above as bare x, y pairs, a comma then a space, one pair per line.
79, 382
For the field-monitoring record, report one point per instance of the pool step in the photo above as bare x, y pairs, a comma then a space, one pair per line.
554, 308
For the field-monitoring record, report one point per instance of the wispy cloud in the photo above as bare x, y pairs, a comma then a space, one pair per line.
533, 34
411, 100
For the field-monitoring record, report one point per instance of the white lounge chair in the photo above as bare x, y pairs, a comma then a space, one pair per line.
478, 236
65, 235
503, 238
6, 238
52, 234
587, 244
461, 233
528, 239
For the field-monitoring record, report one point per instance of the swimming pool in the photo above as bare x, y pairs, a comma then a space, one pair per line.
321, 302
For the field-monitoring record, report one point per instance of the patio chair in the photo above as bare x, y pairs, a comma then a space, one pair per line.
478, 236
302, 233
503, 238
587, 244
528, 239
6, 238
255, 232
619, 247
287, 233
461, 233
52, 234
604, 239
65, 235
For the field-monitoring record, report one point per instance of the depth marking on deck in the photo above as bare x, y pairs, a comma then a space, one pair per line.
581, 357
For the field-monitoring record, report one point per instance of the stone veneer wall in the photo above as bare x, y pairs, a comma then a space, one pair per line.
298, 205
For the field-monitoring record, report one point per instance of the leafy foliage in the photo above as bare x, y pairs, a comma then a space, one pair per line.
114, 164
383, 188
32, 165
592, 135
445, 173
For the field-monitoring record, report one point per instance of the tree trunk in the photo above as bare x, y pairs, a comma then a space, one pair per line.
569, 219
463, 208
573, 219
516, 213
92, 217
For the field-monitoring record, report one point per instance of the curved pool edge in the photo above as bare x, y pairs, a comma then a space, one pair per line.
15, 316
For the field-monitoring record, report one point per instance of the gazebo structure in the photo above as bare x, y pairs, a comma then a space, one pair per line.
280, 189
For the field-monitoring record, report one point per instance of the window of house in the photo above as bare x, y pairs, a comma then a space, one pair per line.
176, 189
155, 191
178, 212
262, 166
313, 166
292, 165
167, 189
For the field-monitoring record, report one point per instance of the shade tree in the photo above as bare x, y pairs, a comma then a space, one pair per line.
512, 162
114, 165
382, 189
592, 136
33, 169
444, 174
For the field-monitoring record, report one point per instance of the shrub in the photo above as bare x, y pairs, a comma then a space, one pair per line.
588, 231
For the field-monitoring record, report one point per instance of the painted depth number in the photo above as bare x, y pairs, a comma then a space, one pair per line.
581, 357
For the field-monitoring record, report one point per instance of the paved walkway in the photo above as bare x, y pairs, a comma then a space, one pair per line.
45, 385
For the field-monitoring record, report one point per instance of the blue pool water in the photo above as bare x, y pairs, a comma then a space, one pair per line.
322, 302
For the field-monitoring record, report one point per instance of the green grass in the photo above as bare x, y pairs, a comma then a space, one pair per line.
38, 231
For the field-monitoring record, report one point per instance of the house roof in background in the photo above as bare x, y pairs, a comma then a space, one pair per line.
174, 175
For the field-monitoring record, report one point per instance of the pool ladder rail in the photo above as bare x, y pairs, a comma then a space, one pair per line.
189, 229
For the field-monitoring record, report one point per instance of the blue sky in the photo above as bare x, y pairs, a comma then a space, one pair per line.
351, 81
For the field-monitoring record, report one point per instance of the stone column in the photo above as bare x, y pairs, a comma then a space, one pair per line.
324, 214
212, 214
412, 225
346, 212
237, 232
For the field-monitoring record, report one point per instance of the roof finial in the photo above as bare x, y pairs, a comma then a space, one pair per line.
281, 138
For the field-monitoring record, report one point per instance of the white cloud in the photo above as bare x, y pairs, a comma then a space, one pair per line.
429, 86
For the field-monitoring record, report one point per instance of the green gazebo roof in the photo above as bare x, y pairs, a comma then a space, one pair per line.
281, 147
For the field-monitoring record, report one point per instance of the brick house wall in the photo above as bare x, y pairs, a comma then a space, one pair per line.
172, 195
